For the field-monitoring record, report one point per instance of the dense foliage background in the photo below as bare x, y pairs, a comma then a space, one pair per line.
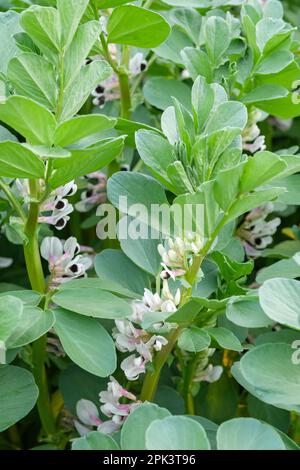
152, 127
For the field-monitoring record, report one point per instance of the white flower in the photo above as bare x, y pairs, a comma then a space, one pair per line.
137, 64
112, 408
253, 141
65, 260
133, 366
210, 374
110, 426
56, 209
155, 342
126, 336
87, 412
108, 90
255, 232
176, 255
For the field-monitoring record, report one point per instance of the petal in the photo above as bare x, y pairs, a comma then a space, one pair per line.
51, 249
87, 412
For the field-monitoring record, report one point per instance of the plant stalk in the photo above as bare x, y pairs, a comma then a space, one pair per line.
37, 281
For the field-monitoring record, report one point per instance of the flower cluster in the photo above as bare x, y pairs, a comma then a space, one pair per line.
128, 338
253, 140
111, 407
95, 192
150, 302
56, 209
256, 232
175, 258
66, 260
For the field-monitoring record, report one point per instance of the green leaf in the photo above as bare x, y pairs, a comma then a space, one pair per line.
77, 128
193, 339
203, 98
189, 20
11, 310
228, 114
34, 77
9, 26
286, 268
33, 323
42, 24
273, 374
291, 183
84, 39
211, 401
76, 384
231, 269
135, 26
217, 38
230, 180
95, 441
83, 162
186, 314
43, 151
86, 342
279, 299
248, 434
266, 30
179, 179
158, 91
16, 161
128, 276
284, 108
92, 303
25, 43
156, 153
32, 120
113, 3
142, 251
197, 63
268, 413
5, 134
70, 14
28, 297
247, 313
176, 433
133, 433
249, 201
265, 93
18, 395
225, 338
167, 397
138, 189
170, 49
275, 62
103, 284
80, 88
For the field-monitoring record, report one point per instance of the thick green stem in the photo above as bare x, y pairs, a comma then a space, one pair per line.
39, 371
37, 280
152, 378
125, 96
187, 386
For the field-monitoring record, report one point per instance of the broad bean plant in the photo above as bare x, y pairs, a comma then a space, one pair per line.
150, 241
